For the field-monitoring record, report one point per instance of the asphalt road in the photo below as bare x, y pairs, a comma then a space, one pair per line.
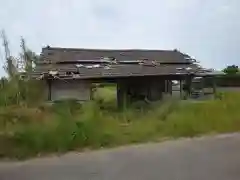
207, 158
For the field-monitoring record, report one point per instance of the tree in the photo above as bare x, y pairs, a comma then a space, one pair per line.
19, 87
27, 59
231, 70
9, 60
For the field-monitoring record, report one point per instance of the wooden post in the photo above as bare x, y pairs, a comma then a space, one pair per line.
202, 81
49, 85
92, 91
119, 95
181, 89
122, 95
170, 87
214, 85
165, 86
188, 86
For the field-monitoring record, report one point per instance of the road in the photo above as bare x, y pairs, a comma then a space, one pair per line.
206, 158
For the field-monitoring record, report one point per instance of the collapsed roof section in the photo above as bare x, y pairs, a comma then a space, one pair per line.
96, 71
88, 64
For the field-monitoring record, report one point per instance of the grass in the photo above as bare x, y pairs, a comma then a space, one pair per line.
66, 126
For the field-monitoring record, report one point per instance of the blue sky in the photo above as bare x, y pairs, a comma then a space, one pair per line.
205, 29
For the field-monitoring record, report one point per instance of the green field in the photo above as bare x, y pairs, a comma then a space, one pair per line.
32, 130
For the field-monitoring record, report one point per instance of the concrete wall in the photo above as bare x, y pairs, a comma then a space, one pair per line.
70, 89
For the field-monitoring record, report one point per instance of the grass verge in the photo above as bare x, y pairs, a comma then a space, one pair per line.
66, 126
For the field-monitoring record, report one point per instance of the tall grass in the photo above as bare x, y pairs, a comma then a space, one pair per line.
218, 116
19, 92
32, 130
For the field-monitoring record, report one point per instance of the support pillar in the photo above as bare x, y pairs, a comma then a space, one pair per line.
188, 86
166, 86
49, 90
203, 85
214, 86
181, 89
92, 90
121, 95
170, 87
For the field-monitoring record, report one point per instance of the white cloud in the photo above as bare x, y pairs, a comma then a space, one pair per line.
205, 29
183, 4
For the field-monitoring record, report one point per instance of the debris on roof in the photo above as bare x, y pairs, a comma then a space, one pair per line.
53, 73
96, 66
146, 62
76, 76
79, 65
188, 68
179, 68
89, 63
89, 67
107, 67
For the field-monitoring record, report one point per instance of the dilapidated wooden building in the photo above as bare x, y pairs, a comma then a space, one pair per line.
147, 74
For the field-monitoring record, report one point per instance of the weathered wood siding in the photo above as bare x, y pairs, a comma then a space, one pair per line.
70, 89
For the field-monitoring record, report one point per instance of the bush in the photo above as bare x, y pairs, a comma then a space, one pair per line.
233, 69
30, 130
18, 92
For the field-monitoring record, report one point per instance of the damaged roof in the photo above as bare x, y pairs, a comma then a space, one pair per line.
95, 63
113, 71
54, 55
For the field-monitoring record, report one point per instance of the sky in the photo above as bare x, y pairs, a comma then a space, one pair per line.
207, 30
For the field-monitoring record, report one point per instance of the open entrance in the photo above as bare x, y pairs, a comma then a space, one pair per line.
105, 95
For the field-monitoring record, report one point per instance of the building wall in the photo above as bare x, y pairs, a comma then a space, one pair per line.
70, 89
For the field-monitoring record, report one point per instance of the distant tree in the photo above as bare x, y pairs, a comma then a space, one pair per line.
233, 69
28, 58
10, 61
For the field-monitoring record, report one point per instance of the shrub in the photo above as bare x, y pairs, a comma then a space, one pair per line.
67, 125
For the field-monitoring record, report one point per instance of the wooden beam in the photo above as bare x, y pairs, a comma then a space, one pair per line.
188, 85
181, 89
170, 87
214, 85
166, 86
122, 98
49, 85
92, 91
